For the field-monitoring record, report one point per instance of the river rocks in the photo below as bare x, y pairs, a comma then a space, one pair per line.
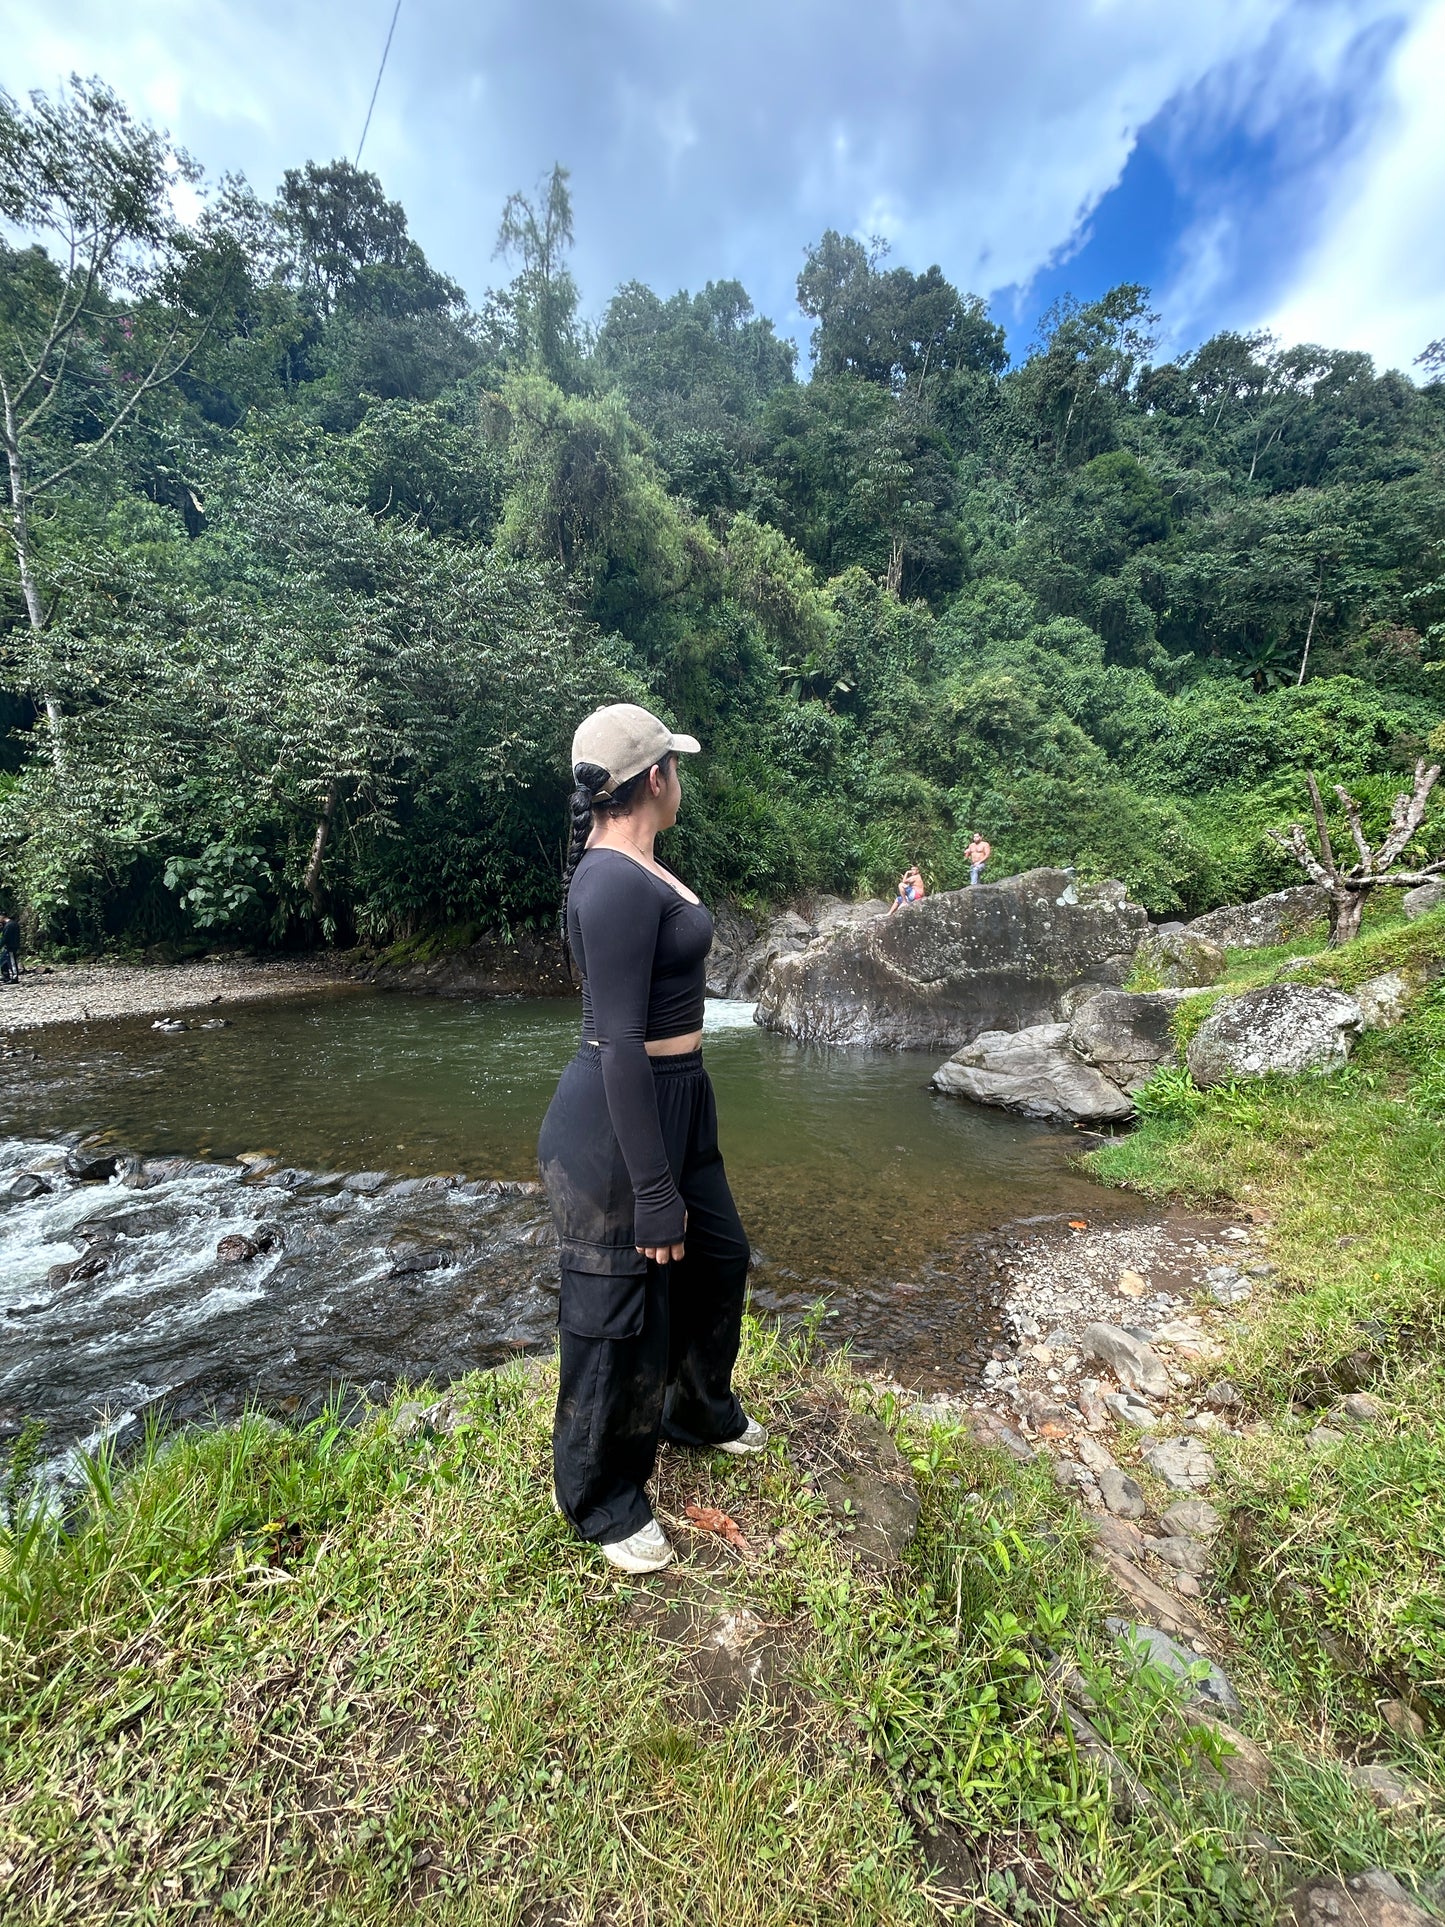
1181, 1463
1126, 1034
1204, 1680
1382, 1000
945, 971
1194, 1518
27, 1186
1131, 1411
1370, 1899
1183, 1554
1269, 920
1387, 1790
1179, 958
238, 1249
1279, 1028
1121, 1494
91, 1166
1034, 1072
1137, 1366
1424, 898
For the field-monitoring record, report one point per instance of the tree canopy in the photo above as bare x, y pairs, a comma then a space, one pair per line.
311, 565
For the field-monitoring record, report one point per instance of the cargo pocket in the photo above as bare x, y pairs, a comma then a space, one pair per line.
597, 1304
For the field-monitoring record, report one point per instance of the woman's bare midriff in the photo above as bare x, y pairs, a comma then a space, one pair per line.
674, 1046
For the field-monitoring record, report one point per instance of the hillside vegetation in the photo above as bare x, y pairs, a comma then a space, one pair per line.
313, 565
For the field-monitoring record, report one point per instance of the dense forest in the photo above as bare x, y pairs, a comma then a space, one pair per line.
312, 565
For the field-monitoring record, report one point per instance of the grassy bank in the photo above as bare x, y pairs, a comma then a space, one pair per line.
1338, 1574
344, 1675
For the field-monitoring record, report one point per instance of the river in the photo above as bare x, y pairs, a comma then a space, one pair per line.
401, 1240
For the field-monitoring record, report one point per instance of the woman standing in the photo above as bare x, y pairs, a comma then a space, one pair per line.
654, 1257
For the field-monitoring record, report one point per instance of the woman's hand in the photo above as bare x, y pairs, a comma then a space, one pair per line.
665, 1254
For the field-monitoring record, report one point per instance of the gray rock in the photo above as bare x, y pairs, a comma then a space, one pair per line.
1268, 920
732, 934
1370, 1899
27, 1186
1071, 1476
1182, 1463
365, 1183
1382, 999
1323, 1438
1156, 1648
1228, 1286
1360, 1409
1245, 1769
1194, 1518
1279, 1028
1390, 1791
1126, 1034
1120, 1537
1034, 1072
1121, 1494
1183, 1554
1097, 1457
1221, 1396
1424, 898
1074, 999
1181, 959
1131, 1410
1137, 1366
960, 963
91, 1167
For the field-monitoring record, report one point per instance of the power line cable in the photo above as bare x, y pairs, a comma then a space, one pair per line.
377, 88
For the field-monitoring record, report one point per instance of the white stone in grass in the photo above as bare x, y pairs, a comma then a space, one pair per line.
1181, 1463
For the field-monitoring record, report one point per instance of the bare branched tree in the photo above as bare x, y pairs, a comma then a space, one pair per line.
1349, 887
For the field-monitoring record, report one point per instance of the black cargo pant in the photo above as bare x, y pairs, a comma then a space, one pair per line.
647, 1350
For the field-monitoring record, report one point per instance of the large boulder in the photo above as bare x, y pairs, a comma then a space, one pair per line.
1284, 1028
942, 972
1179, 959
1127, 1034
743, 952
1424, 898
1035, 1072
1277, 918
733, 931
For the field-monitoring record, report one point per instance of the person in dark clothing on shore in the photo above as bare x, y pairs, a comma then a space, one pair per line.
9, 950
654, 1256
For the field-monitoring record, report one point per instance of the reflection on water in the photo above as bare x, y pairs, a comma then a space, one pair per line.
843, 1162
853, 1179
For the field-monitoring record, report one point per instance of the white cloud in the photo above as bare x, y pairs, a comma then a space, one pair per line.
1376, 279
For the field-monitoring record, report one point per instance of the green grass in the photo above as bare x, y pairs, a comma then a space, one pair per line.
1338, 1574
331, 1675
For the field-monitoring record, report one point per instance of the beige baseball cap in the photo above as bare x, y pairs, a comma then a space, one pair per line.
625, 739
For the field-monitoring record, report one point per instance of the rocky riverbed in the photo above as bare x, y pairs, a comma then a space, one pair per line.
81, 993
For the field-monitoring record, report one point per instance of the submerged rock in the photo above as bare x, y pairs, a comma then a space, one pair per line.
1034, 1072
944, 971
1268, 920
1280, 1028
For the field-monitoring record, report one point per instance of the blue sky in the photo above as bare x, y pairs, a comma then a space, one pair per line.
1257, 162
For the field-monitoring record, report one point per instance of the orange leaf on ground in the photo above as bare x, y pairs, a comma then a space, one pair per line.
707, 1518
1078, 1224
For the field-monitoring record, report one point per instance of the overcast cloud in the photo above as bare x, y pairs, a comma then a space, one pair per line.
1305, 157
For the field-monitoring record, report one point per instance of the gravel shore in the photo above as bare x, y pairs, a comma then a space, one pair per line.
81, 993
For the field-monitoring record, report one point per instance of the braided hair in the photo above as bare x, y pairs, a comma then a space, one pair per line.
590, 799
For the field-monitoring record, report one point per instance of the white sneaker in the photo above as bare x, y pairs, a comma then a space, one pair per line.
648, 1550
753, 1441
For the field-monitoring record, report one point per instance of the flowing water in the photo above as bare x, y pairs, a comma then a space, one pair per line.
400, 1234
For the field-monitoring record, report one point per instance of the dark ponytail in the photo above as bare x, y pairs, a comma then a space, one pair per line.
591, 798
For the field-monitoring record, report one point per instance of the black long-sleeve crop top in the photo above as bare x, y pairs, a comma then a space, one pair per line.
642, 950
